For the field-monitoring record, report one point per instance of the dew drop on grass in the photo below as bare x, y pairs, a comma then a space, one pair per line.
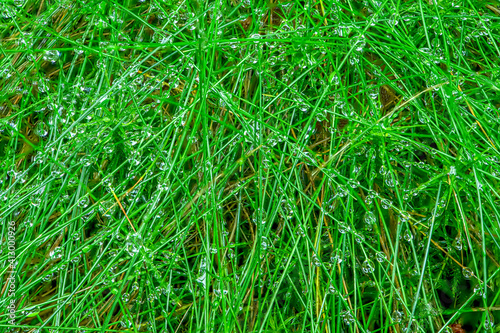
358, 237
35, 200
162, 165
39, 157
389, 180
343, 227
315, 260
264, 243
358, 43
109, 148
347, 317
422, 117
408, 236
489, 323
259, 216
34, 311
335, 80
321, 115
84, 202
51, 55
342, 191
56, 253
134, 158
370, 217
353, 183
467, 272
404, 217
381, 257
300, 231
56, 172
107, 208
163, 185
386, 203
336, 258
397, 316
133, 244
256, 37
354, 58
368, 266
41, 129
479, 290
202, 278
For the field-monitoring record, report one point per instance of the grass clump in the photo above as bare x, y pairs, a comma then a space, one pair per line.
250, 166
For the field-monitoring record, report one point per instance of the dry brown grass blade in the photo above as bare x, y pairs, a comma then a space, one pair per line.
123, 210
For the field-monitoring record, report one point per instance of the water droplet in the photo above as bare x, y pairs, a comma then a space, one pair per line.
358, 43
404, 217
202, 279
315, 260
133, 244
422, 117
264, 243
343, 227
84, 202
56, 171
370, 217
163, 185
51, 55
347, 317
35, 200
135, 158
408, 236
259, 215
335, 80
109, 148
353, 183
368, 266
389, 180
457, 243
467, 272
41, 129
56, 253
300, 231
359, 238
381, 257
489, 323
397, 316
386, 203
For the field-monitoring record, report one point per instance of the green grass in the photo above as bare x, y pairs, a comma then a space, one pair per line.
228, 166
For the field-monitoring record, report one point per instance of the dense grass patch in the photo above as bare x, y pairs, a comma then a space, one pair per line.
253, 166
